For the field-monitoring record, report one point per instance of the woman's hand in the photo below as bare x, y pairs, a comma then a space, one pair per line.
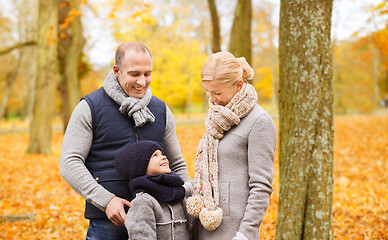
188, 189
239, 236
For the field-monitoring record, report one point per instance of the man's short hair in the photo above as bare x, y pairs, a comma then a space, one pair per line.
124, 47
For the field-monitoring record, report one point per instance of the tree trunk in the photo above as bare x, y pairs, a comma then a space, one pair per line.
6, 95
47, 78
28, 30
240, 39
70, 47
376, 64
306, 121
216, 37
30, 76
10, 79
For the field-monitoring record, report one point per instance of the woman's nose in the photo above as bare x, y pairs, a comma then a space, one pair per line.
212, 99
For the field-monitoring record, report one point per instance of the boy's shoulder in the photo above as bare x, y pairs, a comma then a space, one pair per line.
144, 202
144, 197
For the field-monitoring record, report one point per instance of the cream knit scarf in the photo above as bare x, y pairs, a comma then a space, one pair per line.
133, 107
205, 201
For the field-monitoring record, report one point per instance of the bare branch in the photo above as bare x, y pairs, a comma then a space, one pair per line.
16, 46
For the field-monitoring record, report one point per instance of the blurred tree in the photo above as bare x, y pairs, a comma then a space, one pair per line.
216, 37
240, 39
27, 25
19, 33
70, 46
377, 44
374, 44
7, 57
10, 79
349, 80
266, 56
41, 125
305, 120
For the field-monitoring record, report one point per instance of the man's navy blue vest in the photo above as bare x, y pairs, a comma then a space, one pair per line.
112, 131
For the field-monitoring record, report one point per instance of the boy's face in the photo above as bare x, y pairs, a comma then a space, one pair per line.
158, 164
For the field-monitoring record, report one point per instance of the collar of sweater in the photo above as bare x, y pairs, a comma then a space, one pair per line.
131, 106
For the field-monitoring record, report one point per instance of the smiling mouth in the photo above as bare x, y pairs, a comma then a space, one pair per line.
138, 89
164, 164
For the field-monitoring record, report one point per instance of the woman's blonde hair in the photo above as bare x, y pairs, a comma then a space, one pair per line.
226, 68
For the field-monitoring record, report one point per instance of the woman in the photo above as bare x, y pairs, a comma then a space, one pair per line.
234, 162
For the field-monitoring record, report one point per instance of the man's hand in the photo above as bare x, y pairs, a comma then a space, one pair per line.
115, 210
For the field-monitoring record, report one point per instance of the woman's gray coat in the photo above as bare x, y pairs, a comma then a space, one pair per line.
245, 158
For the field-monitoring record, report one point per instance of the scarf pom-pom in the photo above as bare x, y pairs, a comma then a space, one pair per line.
194, 205
210, 220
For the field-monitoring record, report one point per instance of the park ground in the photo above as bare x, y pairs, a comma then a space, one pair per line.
32, 189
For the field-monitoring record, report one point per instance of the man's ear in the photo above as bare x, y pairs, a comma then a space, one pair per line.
116, 69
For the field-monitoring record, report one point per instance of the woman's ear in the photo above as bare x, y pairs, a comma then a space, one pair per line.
240, 84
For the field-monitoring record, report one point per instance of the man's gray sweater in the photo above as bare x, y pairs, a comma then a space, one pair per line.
75, 149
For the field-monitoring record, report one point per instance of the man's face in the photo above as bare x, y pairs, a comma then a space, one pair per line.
134, 76
158, 164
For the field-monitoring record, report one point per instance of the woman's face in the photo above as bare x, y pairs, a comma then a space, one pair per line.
221, 93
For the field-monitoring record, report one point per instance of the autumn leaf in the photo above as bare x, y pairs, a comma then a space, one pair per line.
380, 6
62, 35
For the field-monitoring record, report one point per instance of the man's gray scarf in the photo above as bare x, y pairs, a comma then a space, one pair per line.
133, 107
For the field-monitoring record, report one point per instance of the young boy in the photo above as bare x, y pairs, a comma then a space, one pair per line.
157, 210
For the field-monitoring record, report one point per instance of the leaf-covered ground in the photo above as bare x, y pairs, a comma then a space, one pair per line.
30, 185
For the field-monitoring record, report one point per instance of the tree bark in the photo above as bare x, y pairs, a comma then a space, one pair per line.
216, 37
47, 78
69, 51
240, 39
306, 121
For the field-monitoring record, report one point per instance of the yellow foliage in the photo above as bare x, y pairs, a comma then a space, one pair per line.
91, 82
263, 82
73, 12
64, 25
136, 9
353, 79
62, 35
380, 6
177, 61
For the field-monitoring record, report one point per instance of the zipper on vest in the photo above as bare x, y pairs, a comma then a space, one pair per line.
137, 137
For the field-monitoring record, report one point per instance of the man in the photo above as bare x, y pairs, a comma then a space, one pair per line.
104, 122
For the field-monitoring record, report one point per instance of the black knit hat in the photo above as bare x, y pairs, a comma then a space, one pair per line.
132, 161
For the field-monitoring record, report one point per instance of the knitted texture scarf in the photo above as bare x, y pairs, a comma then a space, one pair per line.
133, 107
163, 187
205, 200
